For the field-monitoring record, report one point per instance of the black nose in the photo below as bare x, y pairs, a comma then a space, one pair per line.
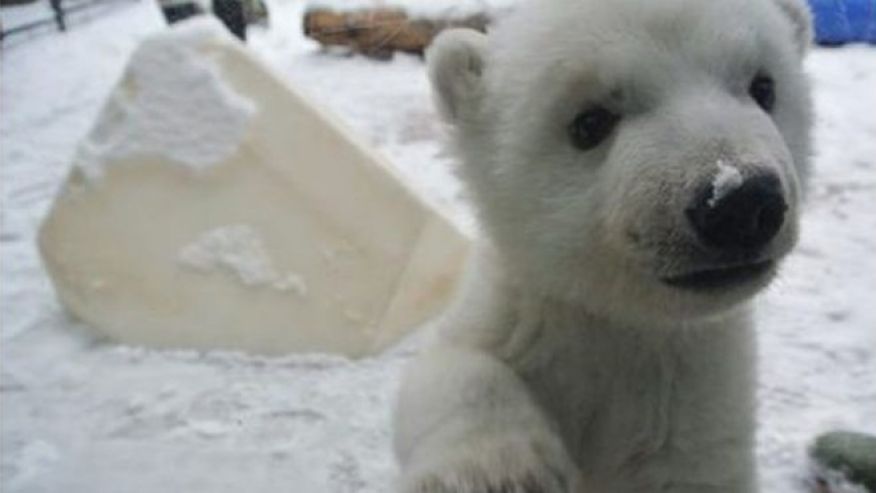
746, 217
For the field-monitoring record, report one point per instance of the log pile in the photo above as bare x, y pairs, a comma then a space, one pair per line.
380, 32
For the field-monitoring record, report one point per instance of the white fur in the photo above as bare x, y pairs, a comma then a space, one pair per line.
568, 365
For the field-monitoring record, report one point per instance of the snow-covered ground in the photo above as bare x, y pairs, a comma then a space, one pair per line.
81, 415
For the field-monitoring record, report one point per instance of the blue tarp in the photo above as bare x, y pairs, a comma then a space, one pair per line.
844, 21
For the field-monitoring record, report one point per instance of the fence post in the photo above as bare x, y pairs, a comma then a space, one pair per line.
59, 14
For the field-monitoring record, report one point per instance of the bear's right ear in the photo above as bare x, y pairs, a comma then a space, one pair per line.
456, 65
797, 11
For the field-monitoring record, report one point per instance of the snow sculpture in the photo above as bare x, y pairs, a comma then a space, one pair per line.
213, 207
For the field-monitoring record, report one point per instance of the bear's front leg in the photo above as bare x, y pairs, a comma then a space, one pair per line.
467, 424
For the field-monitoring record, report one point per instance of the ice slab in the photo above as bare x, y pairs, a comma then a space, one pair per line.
212, 206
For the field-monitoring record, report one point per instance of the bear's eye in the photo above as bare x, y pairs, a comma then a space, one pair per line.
763, 91
591, 127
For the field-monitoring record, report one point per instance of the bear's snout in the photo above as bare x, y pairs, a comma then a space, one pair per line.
732, 213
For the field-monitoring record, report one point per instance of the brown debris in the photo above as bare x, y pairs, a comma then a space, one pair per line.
378, 33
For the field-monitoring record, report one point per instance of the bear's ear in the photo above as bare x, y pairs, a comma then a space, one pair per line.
456, 64
797, 11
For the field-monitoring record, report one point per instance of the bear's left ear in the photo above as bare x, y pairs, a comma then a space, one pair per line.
797, 11
456, 65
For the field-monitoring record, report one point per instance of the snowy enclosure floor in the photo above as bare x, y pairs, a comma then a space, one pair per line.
81, 415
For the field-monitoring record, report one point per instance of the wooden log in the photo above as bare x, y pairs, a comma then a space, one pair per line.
378, 33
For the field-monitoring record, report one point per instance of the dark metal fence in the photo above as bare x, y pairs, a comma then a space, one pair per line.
60, 10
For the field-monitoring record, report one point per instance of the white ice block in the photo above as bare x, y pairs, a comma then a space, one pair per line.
212, 206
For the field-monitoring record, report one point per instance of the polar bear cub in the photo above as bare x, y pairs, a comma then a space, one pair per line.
637, 168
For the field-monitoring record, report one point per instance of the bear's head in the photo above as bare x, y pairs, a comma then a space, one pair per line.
643, 158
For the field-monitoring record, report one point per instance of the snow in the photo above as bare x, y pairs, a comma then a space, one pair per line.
82, 415
15, 16
727, 179
158, 112
239, 250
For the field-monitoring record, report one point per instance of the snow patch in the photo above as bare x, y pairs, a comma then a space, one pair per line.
208, 429
291, 282
239, 250
35, 459
725, 181
174, 103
